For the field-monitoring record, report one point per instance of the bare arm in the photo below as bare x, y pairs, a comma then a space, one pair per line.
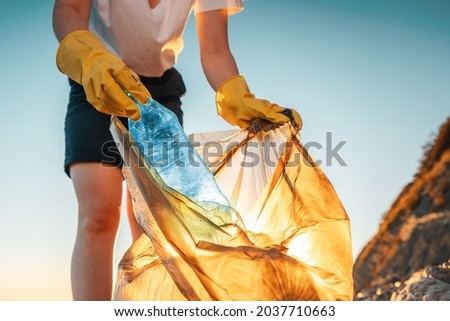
217, 60
70, 15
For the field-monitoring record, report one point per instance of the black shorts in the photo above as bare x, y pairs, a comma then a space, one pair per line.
87, 134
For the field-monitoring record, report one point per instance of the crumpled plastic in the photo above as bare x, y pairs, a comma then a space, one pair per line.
292, 241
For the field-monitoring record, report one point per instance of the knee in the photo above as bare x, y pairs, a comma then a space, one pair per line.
99, 217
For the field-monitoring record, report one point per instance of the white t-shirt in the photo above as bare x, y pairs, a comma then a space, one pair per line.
148, 40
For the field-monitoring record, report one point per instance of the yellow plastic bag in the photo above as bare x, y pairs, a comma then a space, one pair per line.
291, 240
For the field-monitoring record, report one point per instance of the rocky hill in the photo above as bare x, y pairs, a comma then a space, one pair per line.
408, 257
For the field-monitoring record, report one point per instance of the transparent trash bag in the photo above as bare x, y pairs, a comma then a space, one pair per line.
289, 238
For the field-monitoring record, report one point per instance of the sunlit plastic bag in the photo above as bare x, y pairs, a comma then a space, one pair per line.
292, 242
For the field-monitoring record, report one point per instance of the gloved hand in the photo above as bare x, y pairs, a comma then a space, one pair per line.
104, 76
238, 106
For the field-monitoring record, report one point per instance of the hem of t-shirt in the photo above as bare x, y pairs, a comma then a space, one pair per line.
233, 6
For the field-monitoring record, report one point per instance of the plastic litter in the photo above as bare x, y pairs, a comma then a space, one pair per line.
285, 235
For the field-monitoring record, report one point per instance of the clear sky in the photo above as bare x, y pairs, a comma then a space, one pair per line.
375, 74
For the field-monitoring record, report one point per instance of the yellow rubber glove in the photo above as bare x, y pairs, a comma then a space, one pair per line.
104, 76
238, 106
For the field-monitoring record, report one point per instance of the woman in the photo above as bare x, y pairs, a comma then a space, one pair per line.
109, 46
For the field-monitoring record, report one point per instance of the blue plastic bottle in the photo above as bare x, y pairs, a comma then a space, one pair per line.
163, 142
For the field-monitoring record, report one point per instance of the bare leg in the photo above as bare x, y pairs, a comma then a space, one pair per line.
99, 194
136, 230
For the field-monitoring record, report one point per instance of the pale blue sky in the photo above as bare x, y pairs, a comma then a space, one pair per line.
374, 73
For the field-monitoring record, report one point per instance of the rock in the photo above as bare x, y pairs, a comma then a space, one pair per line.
403, 258
429, 284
